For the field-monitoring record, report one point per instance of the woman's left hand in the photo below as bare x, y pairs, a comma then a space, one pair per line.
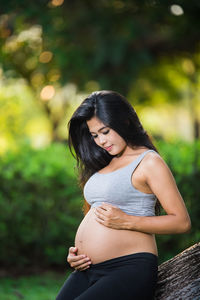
110, 216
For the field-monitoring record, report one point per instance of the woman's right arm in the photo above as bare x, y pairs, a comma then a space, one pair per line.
78, 262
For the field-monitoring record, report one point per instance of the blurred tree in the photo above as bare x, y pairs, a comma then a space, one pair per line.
51, 43
86, 40
171, 80
21, 119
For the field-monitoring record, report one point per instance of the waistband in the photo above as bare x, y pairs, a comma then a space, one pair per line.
127, 259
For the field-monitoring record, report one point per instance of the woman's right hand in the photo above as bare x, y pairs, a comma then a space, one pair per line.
78, 262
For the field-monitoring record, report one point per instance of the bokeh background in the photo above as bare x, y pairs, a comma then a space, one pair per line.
52, 55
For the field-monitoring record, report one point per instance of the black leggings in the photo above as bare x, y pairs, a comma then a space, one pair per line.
127, 277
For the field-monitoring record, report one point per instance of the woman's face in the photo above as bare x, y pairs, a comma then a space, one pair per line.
105, 137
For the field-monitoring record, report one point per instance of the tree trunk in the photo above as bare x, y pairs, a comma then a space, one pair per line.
179, 277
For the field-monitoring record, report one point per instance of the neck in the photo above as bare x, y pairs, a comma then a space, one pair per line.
129, 151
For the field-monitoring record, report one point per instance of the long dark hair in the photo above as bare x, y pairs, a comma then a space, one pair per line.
114, 111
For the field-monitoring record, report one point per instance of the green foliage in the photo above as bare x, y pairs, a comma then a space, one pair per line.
21, 118
40, 203
139, 48
40, 287
99, 40
39, 206
183, 160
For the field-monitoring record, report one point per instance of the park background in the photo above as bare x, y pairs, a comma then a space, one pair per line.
52, 55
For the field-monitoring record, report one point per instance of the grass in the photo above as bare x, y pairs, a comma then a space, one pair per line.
34, 287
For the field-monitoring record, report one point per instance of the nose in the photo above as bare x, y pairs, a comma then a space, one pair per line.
102, 139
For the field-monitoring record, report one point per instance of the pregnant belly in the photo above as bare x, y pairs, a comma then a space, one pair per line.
102, 243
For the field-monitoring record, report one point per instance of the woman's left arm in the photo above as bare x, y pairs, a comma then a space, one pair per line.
162, 183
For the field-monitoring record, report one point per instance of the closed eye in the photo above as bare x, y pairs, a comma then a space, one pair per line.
105, 132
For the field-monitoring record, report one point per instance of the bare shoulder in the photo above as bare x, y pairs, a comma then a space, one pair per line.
155, 164
154, 160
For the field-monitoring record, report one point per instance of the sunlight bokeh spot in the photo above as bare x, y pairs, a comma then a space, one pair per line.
37, 79
57, 2
45, 57
32, 34
176, 10
188, 66
11, 44
31, 63
47, 92
53, 75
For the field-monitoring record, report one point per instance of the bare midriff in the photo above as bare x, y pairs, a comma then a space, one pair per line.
101, 243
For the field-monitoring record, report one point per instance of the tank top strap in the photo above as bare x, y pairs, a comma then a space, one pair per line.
136, 162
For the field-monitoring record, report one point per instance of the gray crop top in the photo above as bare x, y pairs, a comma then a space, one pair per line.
116, 188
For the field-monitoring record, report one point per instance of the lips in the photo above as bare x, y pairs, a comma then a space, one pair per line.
108, 148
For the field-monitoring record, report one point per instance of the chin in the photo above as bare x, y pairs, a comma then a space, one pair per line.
115, 153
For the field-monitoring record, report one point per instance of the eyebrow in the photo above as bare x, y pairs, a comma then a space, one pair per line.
100, 129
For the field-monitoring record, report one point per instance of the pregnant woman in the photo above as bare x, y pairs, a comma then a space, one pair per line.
124, 181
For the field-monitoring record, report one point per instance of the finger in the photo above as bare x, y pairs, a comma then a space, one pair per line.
107, 205
100, 216
104, 209
75, 258
80, 262
100, 210
73, 250
83, 266
101, 221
